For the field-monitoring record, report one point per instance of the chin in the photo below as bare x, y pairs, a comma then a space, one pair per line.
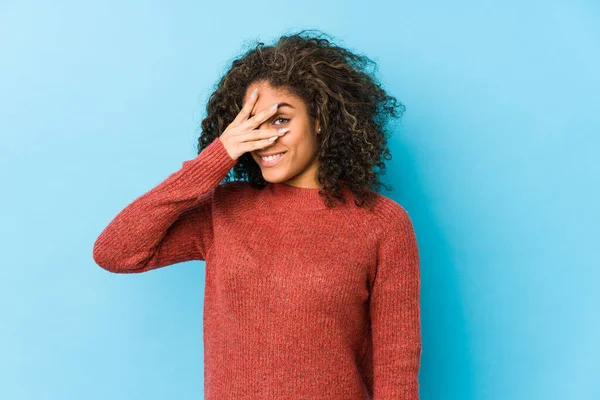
274, 177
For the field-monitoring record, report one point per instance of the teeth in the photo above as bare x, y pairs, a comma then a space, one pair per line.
269, 158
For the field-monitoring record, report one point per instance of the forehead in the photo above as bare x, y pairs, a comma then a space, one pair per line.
268, 95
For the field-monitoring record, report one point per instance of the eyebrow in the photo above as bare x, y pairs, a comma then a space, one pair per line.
279, 106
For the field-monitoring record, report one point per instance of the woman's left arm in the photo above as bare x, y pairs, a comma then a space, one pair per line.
395, 312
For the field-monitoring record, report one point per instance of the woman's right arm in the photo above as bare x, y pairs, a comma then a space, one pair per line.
169, 224
172, 222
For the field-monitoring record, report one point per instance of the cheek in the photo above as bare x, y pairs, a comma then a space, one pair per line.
289, 140
299, 149
295, 139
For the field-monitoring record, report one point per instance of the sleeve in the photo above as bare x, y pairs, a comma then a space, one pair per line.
395, 313
169, 224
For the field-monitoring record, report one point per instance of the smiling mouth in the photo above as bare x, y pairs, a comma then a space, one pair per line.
269, 161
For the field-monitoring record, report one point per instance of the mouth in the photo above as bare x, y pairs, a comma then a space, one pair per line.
271, 160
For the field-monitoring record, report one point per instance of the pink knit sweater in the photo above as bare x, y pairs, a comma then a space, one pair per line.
301, 301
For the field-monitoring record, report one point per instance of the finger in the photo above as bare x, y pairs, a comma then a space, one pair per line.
257, 134
257, 144
259, 117
247, 108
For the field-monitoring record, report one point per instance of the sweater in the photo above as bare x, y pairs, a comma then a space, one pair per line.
301, 301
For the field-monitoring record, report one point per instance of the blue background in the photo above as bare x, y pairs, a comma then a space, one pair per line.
496, 161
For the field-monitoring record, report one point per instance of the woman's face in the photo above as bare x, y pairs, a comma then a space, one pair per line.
298, 164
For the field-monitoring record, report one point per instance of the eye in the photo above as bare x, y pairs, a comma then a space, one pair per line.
282, 119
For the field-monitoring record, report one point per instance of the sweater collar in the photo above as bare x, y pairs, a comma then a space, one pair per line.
292, 197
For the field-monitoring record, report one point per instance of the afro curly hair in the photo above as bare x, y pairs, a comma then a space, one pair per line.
352, 107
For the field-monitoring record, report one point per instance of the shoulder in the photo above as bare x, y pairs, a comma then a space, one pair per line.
391, 217
230, 192
231, 187
388, 210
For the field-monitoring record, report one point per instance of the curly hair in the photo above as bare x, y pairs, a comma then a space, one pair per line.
351, 105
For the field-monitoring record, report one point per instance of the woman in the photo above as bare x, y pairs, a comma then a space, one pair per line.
308, 295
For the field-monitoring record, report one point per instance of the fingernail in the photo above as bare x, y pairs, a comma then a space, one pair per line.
253, 95
274, 107
283, 130
273, 138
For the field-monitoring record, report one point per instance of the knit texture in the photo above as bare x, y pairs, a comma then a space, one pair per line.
301, 301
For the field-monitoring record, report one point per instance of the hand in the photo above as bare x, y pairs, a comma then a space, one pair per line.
241, 136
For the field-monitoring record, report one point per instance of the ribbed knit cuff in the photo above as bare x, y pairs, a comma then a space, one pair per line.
210, 166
